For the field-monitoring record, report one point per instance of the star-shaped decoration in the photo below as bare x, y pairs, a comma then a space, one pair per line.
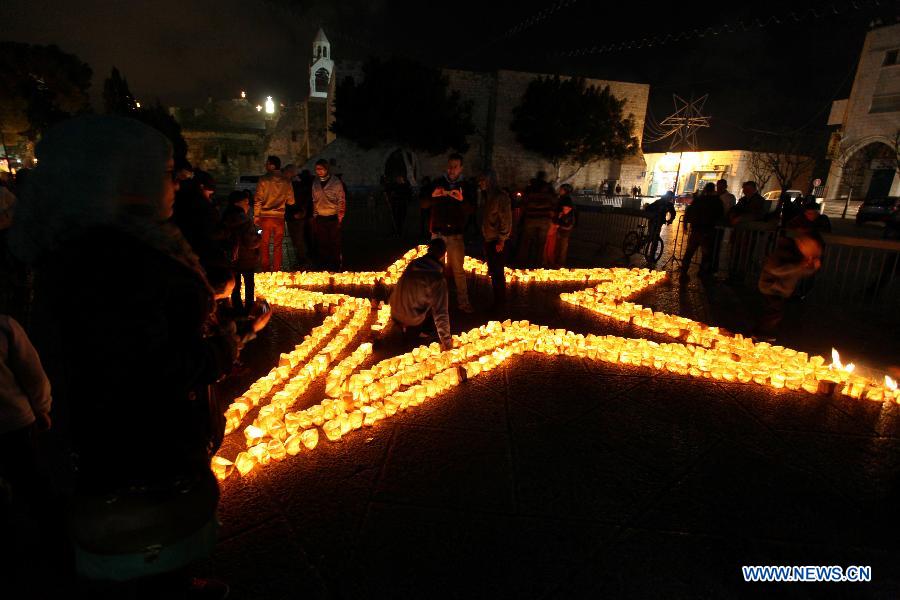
359, 398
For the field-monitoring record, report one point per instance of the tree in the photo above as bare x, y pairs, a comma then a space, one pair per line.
117, 98
759, 169
567, 121
158, 117
39, 86
403, 102
787, 155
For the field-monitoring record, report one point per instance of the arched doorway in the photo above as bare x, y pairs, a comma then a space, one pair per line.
869, 171
401, 162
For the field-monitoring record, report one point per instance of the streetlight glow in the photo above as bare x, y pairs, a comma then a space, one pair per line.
270, 105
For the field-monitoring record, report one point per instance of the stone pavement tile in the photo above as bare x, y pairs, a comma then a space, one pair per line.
786, 410
478, 404
265, 562
702, 403
414, 552
565, 470
634, 428
559, 388
323, 493
653, 564
448, 468
734, 490
860, 468
243, 505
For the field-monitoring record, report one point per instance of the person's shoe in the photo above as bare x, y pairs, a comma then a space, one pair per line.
467, 308
207, 589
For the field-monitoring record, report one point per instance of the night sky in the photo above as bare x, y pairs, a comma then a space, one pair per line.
778, 75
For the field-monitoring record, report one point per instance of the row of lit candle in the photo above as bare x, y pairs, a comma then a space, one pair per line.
776, 366
364, 398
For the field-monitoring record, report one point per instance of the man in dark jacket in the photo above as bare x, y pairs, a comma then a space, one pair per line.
451, 202
751, 206
703, 214
295, 214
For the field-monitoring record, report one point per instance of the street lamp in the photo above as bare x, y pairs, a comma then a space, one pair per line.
270, 105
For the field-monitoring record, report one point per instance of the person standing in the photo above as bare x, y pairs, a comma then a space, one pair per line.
537, 211
273, 193
295, 214
751, 206
244, 241
450, 206
496, 227
703, 214
727, 198
564, 223
137, 320
728, 202
329, 206
565, 191
399, 195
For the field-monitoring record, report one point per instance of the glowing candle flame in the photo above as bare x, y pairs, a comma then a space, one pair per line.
890, 383
836, 359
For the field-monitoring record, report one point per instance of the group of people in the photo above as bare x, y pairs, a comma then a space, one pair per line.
798, 248
419, 301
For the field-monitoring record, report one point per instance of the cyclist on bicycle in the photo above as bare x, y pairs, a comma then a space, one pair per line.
656, 212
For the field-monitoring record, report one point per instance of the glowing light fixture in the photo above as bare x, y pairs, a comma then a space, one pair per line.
270, 105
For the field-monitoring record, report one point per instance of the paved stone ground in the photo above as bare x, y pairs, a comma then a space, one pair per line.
553, 477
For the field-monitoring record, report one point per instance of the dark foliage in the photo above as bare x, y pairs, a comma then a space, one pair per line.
402, 102
566, 121
39, 86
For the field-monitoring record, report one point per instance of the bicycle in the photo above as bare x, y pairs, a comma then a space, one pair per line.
639, 241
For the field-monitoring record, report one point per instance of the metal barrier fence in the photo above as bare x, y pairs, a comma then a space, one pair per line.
854, 271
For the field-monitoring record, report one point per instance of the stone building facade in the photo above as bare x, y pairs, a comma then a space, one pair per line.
867, 124
695, 169
494, 95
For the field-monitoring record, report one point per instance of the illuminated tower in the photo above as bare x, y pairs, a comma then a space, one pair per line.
321, 73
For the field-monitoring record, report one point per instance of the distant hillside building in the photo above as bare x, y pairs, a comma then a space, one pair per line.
867, 124
230, 138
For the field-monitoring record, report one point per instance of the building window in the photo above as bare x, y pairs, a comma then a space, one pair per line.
324, 52
885, 104
890, 57
322, 80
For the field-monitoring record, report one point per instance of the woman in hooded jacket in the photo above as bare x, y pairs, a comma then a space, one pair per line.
122, 310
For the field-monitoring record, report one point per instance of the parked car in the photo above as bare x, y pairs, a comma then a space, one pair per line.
776, 194
880, 210
247, 183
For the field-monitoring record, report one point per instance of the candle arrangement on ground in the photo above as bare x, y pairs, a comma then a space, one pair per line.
357, 397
